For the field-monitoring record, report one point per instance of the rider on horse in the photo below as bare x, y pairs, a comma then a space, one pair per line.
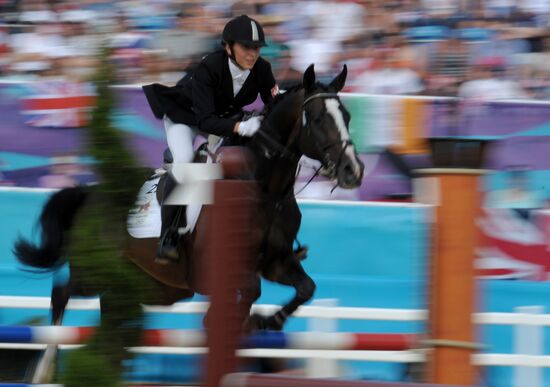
210, 100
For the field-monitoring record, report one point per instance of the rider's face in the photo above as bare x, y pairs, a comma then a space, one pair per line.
245, 55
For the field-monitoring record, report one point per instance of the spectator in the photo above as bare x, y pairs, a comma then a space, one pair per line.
277, 52
448, 66
33, 46
500, 8
4, 50
323, 32
388, 75
504, 43
488, 83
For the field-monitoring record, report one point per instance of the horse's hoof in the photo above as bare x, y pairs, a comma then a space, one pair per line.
273, 323
255, 322
301, 253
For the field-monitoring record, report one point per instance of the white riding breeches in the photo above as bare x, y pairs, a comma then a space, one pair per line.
180, 139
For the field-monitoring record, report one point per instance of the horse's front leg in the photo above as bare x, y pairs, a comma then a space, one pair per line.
292, 274
249, 295
246, 296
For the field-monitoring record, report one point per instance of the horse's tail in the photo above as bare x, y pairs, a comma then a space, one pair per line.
55, 220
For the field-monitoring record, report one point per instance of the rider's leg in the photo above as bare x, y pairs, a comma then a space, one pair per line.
167, 248
180, 139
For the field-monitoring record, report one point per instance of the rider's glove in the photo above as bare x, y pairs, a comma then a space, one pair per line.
249, 127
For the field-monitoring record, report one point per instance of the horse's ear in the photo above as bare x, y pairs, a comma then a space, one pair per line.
339, 82
309, 78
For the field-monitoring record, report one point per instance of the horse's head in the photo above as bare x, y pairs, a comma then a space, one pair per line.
325, 134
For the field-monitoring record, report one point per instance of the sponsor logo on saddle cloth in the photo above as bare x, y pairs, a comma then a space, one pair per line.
144, 219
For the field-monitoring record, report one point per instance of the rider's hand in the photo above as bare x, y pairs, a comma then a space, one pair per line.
249, 127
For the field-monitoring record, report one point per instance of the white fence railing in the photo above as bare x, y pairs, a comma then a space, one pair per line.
338, 312
528, 362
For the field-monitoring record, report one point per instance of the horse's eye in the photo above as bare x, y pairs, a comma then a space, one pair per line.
317, 119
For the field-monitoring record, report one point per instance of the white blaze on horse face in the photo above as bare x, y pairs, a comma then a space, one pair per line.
333, 108
304, 119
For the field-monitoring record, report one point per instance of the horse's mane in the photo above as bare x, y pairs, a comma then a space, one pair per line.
289, 91
281, 97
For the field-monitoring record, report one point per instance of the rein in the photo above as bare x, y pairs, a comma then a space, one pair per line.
284, 151
278, 147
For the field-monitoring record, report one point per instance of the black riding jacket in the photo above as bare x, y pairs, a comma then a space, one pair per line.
204, 97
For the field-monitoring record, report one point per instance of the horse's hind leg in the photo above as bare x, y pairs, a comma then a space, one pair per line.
45, 367
293, 274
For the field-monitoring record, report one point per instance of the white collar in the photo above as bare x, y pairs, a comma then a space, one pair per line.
236, 72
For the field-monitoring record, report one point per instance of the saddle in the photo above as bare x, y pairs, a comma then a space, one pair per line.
144, 223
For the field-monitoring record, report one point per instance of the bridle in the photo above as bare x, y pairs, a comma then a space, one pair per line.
324, 149
284, 150
318, 95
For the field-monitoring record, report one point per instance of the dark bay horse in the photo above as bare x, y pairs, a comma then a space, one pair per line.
309, 120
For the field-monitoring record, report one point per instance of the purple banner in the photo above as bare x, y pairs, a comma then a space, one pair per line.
40, 148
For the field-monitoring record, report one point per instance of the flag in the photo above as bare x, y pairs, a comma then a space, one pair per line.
57, 104
514, 244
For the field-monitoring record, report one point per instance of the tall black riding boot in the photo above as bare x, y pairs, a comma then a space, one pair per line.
173, 217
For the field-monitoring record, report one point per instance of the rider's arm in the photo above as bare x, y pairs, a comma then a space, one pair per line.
268, 85
203, 85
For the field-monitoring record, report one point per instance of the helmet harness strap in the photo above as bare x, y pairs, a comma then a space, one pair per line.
232, 56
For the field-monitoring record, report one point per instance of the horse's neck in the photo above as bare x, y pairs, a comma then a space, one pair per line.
280, 176
285, 120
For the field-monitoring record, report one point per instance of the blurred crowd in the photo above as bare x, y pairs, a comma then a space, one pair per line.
485, 49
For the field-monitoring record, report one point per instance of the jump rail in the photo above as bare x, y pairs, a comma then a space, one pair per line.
197, 338
349, 313
410, 356
352, 313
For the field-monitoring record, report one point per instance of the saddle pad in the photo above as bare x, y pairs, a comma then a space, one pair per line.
144, 219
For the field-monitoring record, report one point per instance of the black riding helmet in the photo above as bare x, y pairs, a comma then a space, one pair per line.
244, 30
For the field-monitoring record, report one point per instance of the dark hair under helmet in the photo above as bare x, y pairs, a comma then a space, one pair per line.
244, 30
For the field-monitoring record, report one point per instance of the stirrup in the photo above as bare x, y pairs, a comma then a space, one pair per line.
165, 256
167, 252
184, 230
